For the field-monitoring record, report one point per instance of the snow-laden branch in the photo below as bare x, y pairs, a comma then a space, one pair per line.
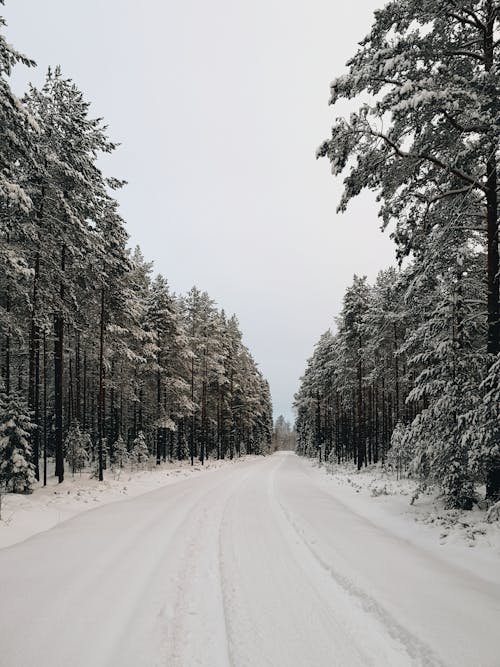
431, 158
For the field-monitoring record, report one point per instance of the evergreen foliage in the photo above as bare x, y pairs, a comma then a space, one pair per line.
93, 338
77, 446
120, 452
17, 472
140, 452
415, 362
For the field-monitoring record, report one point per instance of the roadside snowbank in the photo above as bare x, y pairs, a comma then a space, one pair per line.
26, 515
464, 538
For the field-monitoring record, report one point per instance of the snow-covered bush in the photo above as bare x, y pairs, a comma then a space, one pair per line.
493, 513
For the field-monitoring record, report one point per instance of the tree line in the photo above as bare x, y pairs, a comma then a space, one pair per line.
97, 354
413, 369
283, 435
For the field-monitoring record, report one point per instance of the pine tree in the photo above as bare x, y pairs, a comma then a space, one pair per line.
120, 452
140, 452
18, 136
431, 70
427, 143
171, 351
90, 334
77, 446
68, 189
17, 472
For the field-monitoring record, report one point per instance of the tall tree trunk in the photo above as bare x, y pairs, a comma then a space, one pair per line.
59, 376
231, 415
85, 392
493, 473
158, 413
45, 415
492, 200
193, 417
70, 391
78, 380
361, 445
203, 443
396, 376
6, 372
100, 413
34, 369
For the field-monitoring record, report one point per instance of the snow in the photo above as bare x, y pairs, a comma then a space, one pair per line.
383, 499
269, 561
26, 515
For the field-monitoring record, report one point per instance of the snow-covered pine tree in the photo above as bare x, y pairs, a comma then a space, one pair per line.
432, 72
18, 136
120, 452
482, 435
312, 401
68, 189
17, 472
111, 267
429, 137
446, 354
67, 275
353, 333
77, 445
140, 452
388, 380
171, 349
141, 347
16, 130
193, 306
283, 435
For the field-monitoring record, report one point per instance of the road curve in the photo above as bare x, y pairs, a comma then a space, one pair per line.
250, 565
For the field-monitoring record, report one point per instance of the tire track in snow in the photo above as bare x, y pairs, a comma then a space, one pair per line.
419, 652
197, 605
229, 598
275, 614
108, 573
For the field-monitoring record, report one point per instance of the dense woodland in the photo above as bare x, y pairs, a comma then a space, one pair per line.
100, 361
411, 374
283, 435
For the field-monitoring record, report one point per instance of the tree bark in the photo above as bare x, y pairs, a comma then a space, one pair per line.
100, 412
59, 376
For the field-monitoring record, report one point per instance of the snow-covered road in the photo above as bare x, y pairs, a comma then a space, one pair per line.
250, 565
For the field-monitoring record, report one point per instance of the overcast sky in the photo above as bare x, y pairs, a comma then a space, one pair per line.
219, 107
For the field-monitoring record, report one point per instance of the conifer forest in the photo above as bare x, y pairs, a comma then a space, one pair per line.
97, 352
412, 373
249, 378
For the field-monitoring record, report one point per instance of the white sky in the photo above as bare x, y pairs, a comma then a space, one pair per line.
219, 107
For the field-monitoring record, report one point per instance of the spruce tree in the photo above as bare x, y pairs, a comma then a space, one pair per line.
17, 472
140, 451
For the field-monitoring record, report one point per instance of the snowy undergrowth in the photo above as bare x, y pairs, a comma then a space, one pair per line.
377, 494
26, 515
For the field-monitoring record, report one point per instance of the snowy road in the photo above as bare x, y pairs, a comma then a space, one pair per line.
254, 564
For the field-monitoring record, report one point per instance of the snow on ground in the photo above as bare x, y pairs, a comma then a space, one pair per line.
26, 515
268, 562
378, 494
